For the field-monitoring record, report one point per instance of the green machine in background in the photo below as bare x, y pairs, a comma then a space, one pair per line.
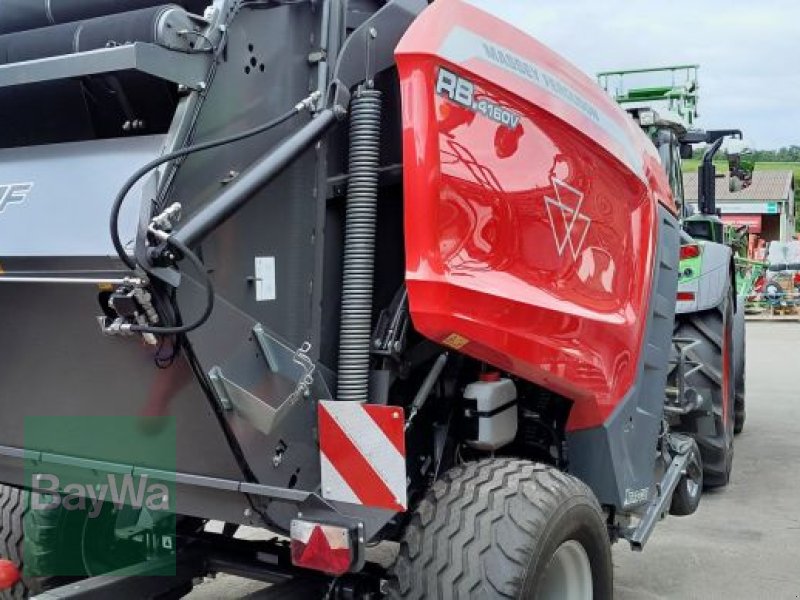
709, 338
679, 100
680, 96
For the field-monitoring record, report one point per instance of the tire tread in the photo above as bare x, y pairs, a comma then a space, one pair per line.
476, 514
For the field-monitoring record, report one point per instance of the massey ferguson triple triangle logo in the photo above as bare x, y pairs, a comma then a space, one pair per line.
13, 193
568, 224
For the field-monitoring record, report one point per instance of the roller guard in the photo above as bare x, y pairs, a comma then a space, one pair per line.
146, 25
22, 15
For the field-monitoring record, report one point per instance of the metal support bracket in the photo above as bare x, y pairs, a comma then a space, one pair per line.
682, 399
638, 536
292, 365
251, 408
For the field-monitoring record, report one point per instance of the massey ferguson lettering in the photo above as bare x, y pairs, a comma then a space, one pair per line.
462, 91
13, 193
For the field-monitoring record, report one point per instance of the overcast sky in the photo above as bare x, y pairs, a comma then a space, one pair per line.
749, 52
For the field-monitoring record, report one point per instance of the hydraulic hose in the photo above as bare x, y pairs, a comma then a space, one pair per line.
359, 246
207, 285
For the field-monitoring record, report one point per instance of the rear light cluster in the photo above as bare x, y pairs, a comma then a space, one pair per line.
685, 296
690, 251
326, 548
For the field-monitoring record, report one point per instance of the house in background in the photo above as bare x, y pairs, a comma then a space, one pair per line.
766, 207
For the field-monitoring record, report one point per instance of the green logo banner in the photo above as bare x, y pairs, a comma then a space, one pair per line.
102, 494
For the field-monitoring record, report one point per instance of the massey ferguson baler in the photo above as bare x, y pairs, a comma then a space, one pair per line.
394, 272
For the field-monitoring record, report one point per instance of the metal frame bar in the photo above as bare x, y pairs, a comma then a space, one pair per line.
144, 580
217, 483
198, 555
651, 70
179, 67
66, 280
264, 170
639, 536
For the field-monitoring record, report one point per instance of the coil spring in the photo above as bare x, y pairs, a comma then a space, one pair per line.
359, 247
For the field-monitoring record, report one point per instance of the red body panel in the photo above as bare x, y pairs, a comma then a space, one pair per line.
528, 246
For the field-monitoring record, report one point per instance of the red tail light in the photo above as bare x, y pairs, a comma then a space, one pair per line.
690, 251
685, 296
325, 548
9, 575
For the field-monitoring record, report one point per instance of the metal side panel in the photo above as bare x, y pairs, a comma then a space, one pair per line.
55, 199
56, 363
617, 460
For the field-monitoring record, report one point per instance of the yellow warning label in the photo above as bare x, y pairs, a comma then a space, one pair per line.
455, 341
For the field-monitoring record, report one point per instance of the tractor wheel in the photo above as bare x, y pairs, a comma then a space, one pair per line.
713, 431
36, 541
13, 507
505, 528
740, 351
686, 497
57, 545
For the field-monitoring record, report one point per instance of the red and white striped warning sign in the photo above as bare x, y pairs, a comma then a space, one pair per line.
363, 454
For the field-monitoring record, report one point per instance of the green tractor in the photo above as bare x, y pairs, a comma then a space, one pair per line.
708, 353
720, 245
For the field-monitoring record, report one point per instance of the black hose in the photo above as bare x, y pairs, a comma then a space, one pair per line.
128, 185
207, 284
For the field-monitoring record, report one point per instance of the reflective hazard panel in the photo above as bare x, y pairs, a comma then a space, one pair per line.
363, 454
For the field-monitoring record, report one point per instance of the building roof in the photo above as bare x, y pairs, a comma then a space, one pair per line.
767, 185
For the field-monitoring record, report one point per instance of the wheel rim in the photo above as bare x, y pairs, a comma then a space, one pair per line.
568, 575
692, 487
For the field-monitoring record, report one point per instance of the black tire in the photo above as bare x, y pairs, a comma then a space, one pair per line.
740, 354
13, 507
489, 529
713, 431
686, 497
46, 542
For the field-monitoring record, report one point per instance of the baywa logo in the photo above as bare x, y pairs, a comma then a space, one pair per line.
103, 489
120, 491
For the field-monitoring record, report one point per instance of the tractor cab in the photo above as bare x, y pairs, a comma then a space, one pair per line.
666, 129
663, 101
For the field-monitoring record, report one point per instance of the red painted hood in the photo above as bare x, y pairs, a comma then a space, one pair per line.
531, 203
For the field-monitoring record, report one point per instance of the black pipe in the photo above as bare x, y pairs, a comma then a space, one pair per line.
707, 180
712, 135
25, 15
240, 190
